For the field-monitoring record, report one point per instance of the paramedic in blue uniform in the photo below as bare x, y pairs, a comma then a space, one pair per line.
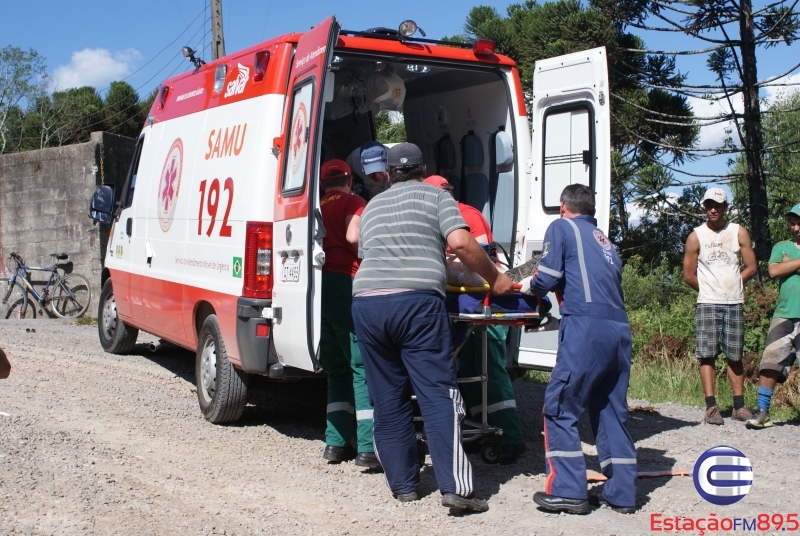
593, 361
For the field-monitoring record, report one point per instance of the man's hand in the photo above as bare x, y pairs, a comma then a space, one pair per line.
502, 285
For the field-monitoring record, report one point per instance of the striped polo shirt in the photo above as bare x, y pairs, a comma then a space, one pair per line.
403, 236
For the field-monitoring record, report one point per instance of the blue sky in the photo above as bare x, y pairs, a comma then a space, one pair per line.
92, 42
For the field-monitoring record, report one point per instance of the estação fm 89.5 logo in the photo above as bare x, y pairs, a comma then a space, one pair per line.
723, 475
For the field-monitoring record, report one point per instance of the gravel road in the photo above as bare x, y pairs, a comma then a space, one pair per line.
93, 443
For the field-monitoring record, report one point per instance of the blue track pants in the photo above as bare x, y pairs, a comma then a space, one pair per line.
406, 348
592, 371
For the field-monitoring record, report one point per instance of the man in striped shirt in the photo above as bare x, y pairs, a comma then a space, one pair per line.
403, 329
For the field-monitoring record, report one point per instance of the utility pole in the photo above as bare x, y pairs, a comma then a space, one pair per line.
217, 38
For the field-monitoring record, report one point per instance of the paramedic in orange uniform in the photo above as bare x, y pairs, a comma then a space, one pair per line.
349, 411
502, 406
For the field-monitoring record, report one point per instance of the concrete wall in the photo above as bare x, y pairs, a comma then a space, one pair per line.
44, 199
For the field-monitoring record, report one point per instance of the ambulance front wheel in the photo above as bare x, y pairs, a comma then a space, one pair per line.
221, 389
116, 337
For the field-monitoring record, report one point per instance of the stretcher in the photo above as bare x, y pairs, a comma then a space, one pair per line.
475, 308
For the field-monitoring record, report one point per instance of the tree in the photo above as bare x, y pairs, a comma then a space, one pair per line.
731, 32
389, 131
780, 129
79, 112
22, 80
122, 112
641, 137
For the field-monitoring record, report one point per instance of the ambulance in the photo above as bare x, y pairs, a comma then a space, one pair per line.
216, 234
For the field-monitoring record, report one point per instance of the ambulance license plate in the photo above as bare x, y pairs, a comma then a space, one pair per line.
291, 269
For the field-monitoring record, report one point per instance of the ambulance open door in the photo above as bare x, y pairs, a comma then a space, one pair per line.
297, 229
571, 144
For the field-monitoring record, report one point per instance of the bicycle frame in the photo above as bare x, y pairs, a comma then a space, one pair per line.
21, 272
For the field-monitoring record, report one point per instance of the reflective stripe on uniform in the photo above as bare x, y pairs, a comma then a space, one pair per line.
550, 271
364, 414
341, 406
618, 461
581, 260
491, 408
564, 454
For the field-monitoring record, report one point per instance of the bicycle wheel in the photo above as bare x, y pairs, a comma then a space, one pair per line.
18, 306
71, 295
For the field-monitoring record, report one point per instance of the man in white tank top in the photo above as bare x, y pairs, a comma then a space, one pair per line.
711, 265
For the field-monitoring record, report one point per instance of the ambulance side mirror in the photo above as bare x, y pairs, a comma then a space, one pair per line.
101, 206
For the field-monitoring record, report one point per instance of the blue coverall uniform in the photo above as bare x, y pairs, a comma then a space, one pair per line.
592, 364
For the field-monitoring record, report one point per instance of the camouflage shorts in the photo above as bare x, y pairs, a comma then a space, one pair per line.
518, 273
780, 349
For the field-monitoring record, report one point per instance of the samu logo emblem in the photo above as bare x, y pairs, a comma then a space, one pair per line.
723, 475
170, 184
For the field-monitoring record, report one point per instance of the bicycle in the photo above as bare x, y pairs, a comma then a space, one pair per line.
66, 295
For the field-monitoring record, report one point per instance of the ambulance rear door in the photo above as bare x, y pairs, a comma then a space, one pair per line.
571, 144
297, 229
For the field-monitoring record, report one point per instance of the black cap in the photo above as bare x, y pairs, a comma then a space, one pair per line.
404, 154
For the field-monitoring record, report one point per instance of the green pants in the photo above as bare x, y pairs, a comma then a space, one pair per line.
349, 410
501, 405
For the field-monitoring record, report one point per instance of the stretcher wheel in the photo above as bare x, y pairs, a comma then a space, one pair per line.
421, 451
491, 449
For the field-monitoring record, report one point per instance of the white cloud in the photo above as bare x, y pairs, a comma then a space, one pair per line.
637, 213
773, 92
712, 136
95, 67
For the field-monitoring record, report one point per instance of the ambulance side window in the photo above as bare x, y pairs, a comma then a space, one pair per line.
294, 168
132, 172
568, 140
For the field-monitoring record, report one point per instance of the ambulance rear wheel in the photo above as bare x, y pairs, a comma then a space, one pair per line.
115, 336
221, 389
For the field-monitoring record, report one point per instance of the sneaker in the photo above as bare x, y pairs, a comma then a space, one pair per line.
759, 420
713, 416
524, 270
451, 500
742, 414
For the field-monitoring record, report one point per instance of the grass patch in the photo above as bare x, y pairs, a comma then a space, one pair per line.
664, 379
536, 376
86, 321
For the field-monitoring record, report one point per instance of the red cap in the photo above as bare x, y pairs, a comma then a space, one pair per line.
438, 181
333, 169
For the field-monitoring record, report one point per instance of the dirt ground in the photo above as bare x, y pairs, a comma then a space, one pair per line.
93, 443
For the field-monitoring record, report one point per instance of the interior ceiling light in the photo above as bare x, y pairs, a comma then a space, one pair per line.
419, 69
408, 28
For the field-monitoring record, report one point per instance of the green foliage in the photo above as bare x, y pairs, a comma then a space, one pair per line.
122, 114
781, 130
23, 79
30, 118
389, 131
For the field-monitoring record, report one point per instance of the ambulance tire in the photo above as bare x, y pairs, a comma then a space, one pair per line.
221, 388
116, 337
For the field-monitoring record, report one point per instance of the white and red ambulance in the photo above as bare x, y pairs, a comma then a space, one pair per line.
216, 235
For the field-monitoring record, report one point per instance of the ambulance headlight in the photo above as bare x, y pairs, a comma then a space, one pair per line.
408, 28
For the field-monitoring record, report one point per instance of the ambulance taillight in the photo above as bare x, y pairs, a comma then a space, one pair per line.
258, 261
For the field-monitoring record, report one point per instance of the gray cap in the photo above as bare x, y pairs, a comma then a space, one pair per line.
405, 154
